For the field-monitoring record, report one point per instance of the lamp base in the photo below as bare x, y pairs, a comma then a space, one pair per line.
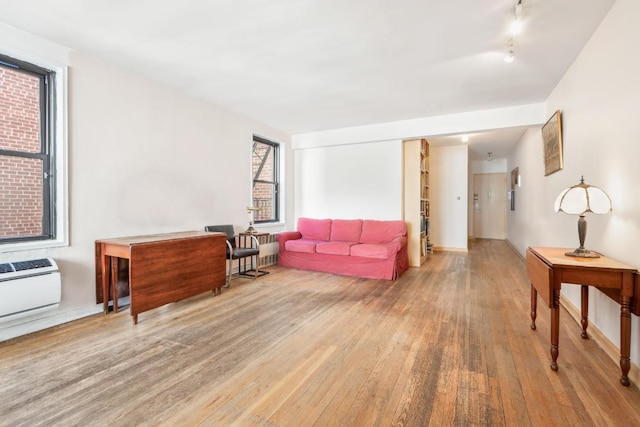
583, 253
251, 230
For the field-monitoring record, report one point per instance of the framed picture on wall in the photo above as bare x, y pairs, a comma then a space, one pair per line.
514, 178
552, 140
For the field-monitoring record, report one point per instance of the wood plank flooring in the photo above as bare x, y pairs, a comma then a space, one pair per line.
446, 344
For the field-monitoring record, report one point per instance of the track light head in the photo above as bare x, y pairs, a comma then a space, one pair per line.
509, 57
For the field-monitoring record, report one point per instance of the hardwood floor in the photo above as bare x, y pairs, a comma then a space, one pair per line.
446, 344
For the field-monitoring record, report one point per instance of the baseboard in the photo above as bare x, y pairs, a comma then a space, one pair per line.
443, 249
514, 249
12, 327
603, 342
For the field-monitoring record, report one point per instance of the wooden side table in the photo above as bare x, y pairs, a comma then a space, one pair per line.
252, 271
549, 268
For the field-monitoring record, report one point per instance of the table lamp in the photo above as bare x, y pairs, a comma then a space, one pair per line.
578, 200
250, 211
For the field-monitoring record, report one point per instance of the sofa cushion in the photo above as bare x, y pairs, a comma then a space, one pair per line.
374, 231
346, 230
314, 229
374, 250
335, 248
301, 245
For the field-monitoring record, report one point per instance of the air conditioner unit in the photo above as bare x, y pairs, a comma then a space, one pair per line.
29, 285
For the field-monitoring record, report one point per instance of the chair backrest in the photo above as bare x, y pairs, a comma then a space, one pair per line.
226, 229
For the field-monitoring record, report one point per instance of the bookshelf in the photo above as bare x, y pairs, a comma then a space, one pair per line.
416, 200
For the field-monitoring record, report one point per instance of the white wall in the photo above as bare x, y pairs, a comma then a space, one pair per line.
532, 213
350, 181
484, 166
599, 97
144, 158
365, 181
449, 197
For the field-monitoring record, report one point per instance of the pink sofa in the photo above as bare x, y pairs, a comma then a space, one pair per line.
350, 247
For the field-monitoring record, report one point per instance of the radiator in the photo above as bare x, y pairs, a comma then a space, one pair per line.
29, 285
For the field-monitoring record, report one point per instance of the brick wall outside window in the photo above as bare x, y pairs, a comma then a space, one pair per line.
263, 194
20, 178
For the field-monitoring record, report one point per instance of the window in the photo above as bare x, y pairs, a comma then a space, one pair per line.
265, 168
27, 133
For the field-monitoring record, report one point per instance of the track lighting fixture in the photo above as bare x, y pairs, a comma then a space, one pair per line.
510, 55
516, 24
514, 29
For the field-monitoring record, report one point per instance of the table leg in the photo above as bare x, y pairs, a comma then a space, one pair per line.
584, 309
625, 339
114, 282
555, 328
134, 318
105, 267
534, 306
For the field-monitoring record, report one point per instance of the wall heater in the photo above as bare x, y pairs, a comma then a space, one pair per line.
29, 285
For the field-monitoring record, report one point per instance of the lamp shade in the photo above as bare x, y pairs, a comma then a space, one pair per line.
583, 198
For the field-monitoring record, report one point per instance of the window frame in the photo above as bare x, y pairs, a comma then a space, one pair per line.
276, 176
46, 154
53, 147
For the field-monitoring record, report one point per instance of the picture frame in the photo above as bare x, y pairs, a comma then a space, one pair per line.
514, 177
552, 144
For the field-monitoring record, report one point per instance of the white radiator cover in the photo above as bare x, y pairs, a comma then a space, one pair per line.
29, 285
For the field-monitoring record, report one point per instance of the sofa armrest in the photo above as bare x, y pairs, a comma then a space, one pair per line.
401, 241
286, 235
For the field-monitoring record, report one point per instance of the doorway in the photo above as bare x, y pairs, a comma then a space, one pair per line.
490, 206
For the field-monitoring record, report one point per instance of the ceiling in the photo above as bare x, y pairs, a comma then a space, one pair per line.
309, 65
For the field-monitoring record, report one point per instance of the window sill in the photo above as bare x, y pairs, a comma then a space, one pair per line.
270, 227
28, 246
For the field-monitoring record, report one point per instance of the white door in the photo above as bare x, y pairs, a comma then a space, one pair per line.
490, 205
